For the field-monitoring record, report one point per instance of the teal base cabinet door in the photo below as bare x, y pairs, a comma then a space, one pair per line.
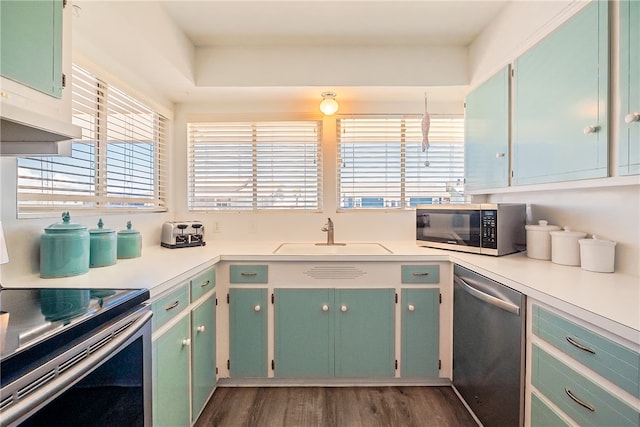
304, 333
203, 332
248, 333
171, 376
486, 136
364, 336
328, 333
543, 416
629, 120
560, 113
31, 44
420, 336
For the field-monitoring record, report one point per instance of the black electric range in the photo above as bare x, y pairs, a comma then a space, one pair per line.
39, 323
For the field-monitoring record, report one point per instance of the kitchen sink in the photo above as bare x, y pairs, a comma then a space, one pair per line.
338, 249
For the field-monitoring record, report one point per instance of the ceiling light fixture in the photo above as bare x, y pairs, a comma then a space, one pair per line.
328, 106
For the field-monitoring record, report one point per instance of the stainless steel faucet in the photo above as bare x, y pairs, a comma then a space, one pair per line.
328, 228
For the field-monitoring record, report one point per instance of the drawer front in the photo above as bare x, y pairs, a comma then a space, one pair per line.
248, 274
580, 398
202, 284
169, 306
420, 274
544, 416
613, 361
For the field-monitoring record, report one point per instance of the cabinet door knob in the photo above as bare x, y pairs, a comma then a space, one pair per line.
500, 155
344, 308
591, 129
201, 328
186, 342
411, 307
257, 308
325, 308
632, 117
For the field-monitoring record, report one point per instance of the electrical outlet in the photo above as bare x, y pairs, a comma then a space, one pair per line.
216, 227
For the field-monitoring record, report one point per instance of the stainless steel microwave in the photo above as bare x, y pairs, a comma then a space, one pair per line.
487, 228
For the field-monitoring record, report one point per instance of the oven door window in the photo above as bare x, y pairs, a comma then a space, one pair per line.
111, 395
458, 227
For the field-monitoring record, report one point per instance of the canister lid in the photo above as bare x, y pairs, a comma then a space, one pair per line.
65, 225
596, 241
101, 230
128, 231
542, 225
567, 232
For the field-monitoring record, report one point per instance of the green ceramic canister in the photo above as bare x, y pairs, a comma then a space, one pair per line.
103, 246
64, 249
129, 243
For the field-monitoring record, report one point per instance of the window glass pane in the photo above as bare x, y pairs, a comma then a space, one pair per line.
254, 165
381, 163
119, 162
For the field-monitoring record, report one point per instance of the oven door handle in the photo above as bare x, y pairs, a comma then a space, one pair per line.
59, 384
504, 305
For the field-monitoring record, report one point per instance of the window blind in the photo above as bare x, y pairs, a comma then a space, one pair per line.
381, 163
119, 163
255, 166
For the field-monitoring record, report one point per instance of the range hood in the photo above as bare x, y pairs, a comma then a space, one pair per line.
23, 132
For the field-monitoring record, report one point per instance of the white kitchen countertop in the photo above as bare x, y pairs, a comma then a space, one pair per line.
613, 298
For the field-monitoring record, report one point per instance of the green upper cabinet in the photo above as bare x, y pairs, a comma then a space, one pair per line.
31, 44
486, 154
561, 87
629, 118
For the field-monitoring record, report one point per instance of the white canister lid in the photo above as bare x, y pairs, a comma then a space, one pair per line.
596, 241
567, 232
542, 225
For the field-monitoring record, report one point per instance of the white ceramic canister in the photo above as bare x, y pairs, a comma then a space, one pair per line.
565, 248
539, 239
597, 255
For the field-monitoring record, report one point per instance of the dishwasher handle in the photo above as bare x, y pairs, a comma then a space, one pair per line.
504, 305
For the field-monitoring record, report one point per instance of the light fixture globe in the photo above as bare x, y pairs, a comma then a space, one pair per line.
329, 105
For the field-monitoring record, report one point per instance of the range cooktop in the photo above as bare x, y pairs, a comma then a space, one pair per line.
36, 322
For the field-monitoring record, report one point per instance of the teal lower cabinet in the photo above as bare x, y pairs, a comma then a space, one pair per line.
323, 333
543, 416
420, 333
304, 326
585, 401
203, 364
171, 376
365, 333
248, 333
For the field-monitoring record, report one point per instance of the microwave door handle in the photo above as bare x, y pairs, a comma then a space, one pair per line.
504, 305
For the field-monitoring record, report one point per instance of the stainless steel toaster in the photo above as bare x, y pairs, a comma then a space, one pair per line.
182, 234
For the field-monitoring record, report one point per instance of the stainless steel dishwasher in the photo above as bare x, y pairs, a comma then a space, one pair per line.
488, 348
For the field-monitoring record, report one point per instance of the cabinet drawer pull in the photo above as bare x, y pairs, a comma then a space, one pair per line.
257, 308
172, 306
344, 308
201, 328
325, 308
248, 274
580, 346
632, 117
578, 401
411, 307
203, 284
186, 342
420, 273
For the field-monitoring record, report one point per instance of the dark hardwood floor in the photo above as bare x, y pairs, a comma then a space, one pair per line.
335, 407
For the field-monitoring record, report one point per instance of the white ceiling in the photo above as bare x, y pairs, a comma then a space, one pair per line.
154, 43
